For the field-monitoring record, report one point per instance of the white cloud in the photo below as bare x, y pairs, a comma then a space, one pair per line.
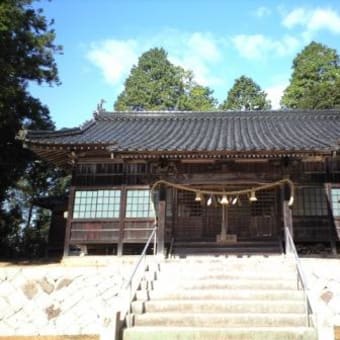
286, 46
258, 46
196, 51
313, 20
250, 46
114, 58
262, 11
295, 17
275, 93
324, 19
204, 46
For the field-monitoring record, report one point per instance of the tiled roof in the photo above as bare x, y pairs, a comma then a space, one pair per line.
202, 131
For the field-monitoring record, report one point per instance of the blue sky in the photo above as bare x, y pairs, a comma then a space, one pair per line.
219, 40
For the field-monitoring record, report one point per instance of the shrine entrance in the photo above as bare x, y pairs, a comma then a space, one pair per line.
241, 219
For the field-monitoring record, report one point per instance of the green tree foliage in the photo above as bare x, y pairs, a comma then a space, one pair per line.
26, 55
196, 97
246, 95
156, 84
315, 81
24, 224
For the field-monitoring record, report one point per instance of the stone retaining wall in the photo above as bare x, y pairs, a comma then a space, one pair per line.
56, 299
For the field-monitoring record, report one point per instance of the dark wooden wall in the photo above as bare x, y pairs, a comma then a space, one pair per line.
186, 218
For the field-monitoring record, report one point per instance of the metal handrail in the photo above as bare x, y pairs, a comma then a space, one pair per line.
301, 278
130, 287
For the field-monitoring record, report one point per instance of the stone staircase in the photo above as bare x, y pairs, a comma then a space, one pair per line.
206, 297
183, 249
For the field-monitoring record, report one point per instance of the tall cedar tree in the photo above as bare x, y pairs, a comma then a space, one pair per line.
246, 95
26, 55
156, 84
196, 97
315, 81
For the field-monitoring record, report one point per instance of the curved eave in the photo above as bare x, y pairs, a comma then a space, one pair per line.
225, 154
61, 154
66, 155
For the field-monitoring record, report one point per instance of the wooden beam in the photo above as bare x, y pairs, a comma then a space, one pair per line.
198, 161
257, 160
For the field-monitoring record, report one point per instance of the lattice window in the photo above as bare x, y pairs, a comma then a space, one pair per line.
310, 201
109, 168
96, 204
335, 194
264, 206
314, 166
139, 204
187, 206
134, 169
86, 169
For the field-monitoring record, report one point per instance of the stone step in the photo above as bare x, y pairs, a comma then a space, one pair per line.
229, 274
228, 284
223, 294
218, 306
220, 319
183, 251
200, 333
232, 259
228, 266
212, 243
206, 297
191, 247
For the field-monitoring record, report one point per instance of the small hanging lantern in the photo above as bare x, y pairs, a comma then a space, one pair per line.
198, 197
234, 200
209, 202
291, 201
252, 197
224, 200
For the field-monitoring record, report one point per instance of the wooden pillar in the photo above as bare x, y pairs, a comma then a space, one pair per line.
332, 222
224, 225
288, 217
287, 223
121, 221
69, 219
161, 228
